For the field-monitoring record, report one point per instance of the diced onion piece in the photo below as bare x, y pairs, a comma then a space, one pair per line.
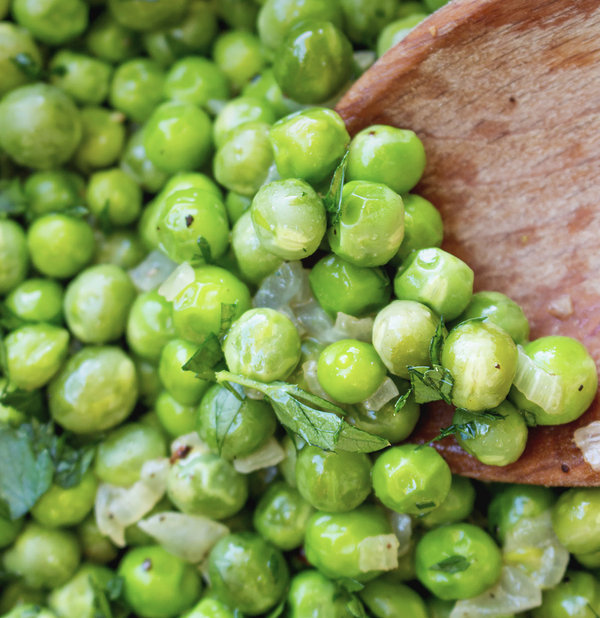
515, 593
316, 321
349, 327
402, 527
177, 281
269, 455
279, 288
540, 387
588, 441
272, 175
189, 537
289, 313
152, 272
189, 442
381, 396
309, 369
378, 553
533, 545
561, 307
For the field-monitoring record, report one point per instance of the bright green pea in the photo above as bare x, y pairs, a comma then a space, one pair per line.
205, 484
147, 225
389, 600
95, 546
14, 259
575, 520
333, 482
15, 41
371, 227
54, 22
122, 248
333, 539
578, 595
42, 557
97, 303
236, 205
262, 345
110, 41
309, 144
398, 30
567, 358
411, 479
364, 19
288, 466
83, 77
143, 16
252, 425
63, 508
289, 218
188, 215
176, 418
137, 88
239, 55
314, 62
102, 140
40, 126
182, 385
158, 584
191, 180
209, 608
467, 543
313, 595
264, 86
150, 325
340, 286
196, 80
9, 530
423, 227
53, 191
95, 390
20, 598
497, 441
239, 111
178, 137
515, 502
60, 246
457, 506
197, 308
34, 354
239, 559
136, 164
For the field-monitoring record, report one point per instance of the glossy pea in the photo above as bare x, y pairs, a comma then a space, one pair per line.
457, 506
108, 40
236, 205
238, 54
366, 18
578, 595
264, 86
136, 164
388, 600
14, 258
83, 77
15, 40
95, 546
175, 418
138, 15
53, 191
190, 180
238, 112
398, 30
196, 80
313, 594
9, 530
54, 22
122, 248
209, 608
574, 519
184, 386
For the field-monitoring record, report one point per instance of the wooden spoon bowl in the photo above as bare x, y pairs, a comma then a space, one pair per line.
505, 95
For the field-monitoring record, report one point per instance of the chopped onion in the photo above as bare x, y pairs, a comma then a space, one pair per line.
152, 272
190, 442
402, 527
189, 537
309, 369
381, 396
349, 327
540, 387
588, 440
561, 307
272, 175
289, 313
378, 553
177, 281
365, 59
515, 593
532, 545
316, 321
279, 288
269, 455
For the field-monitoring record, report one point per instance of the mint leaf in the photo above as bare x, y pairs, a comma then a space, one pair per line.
72, 463
114, 587
351, 585
425, 505
102, 608
104, 221
30, 403
356, 608
431, 384
226, 411
333, 200
452, 564
12, 197
228, 313
205, 359
205, 251
437, 344
28, 66
402, 401
77, 212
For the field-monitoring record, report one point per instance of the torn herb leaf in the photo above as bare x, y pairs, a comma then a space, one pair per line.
205, 251
102, 608
356, 608
228, 313
29, 403
351, 585
452, 564
28, 66
426, 505
402, 401
72, 463
431, 384
226, 412
333, 200
437, 344
205, 359
467, 429
104, 221
12, 198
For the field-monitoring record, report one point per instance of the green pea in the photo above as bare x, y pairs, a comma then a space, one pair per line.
482, 359
176, 418
209, 608
239, 55
187, 216
97, 303
264, 86
252, 425
148, 381
182, 385
569, 359
83, 77
516, 502
14, 259
9, 415
15, 41
9, 530
18, 597
388, 600
241, 558
394, 32
289, 218
578, 595
205, 484
364, 19
196, 80
150, 325
238, 112
136, 164
288, 466
60, 246
468, 546
440, 609
314, 62
122, 248
42, 557
95, 546
332, 541
575, 521
94, 391
236, 205
191, 180
497, 441
143, 16
157, 584
423, 227
30, 112
309, 144
312, 594
108, 40
24, 611
54, 22
52, 191
457, 506
261, 480
197, 308
177, 137
589, 560
238, 14
253, 260
137, 88
277, 17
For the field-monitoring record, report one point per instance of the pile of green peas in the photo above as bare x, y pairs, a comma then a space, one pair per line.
203, 131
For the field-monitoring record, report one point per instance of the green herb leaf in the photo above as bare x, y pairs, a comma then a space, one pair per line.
426, 505
402, 401
102, 608
205, 359
114, 587
104, 221
28, 66
351, 585
228, 313
30, 403
452, 564
356, 608
72, 463
437, 344
468, 429
12, 198
226, 411
205, 251
530, 419
431, 384
333, 200
79, 212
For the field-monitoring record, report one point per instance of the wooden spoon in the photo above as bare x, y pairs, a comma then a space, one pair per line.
505, 95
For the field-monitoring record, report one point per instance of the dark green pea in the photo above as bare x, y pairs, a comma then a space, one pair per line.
83, 77
148, 381
95, 546
438, 608
14, 41
575, 521
9, 415
196, 80
17, 595
176, 418
54, 22
312, 594
457, 506
53, 191
110, 41
136, 164
253, 422
9, 530
261, 480
14, 258
364, 19
40, 126
239, 55
239, 14
389, 600
122, 248
264, 86
183, 386
239, 111
143, 16
241, 558
578, 596
393, 33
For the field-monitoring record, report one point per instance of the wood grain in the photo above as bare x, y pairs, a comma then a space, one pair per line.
505, 95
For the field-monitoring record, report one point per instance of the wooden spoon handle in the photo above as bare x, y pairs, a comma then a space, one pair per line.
505, 95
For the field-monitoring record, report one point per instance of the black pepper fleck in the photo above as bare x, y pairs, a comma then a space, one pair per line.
189, 220
565, 468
